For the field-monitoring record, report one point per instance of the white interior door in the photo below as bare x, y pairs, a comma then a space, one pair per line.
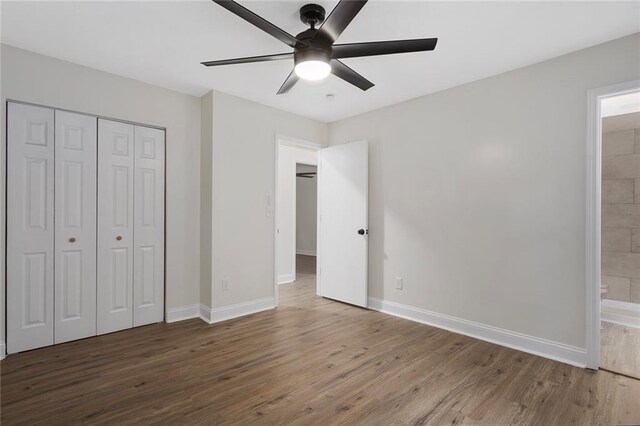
75, 226
148, 258
115, 226
343, 227
30, 237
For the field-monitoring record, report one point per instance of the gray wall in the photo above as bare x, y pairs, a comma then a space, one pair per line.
477, 194
30, 77
206, 197
243, 177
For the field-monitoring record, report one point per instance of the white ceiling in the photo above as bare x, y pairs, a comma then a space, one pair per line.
164, 42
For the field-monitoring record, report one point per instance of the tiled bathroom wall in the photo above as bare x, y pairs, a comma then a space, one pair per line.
621, 207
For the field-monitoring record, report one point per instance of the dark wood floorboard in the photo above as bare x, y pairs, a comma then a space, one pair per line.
310, 361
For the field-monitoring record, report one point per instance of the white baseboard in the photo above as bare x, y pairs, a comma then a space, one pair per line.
211, 316
545, 348
306, 252
205, 314
183, 313
286, 279
3, 350
623, 313
215, 315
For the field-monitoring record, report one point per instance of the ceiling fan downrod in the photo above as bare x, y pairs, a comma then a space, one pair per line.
312, 15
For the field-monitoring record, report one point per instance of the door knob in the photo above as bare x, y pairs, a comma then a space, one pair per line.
362, 231
119, 237
72, 239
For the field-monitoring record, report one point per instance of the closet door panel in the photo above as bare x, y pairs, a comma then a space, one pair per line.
148, 287
30, 228
115, 225
75, 226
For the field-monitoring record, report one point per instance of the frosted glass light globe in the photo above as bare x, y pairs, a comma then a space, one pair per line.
312, 70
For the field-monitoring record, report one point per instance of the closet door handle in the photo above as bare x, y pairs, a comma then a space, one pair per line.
119, 237
72, 239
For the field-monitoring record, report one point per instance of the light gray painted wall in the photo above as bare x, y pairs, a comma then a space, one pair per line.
306, 211
477, 194
206, 195
35, 78
243, 177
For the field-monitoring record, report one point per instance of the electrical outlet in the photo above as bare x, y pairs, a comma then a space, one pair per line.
225, 284
398, 283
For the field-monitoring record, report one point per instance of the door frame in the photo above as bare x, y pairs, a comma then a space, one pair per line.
283, 140
593, 213
3, 246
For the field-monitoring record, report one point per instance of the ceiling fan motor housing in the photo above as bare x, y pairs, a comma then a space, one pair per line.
312, 48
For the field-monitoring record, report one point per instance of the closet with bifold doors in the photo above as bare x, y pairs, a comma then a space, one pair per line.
85, 226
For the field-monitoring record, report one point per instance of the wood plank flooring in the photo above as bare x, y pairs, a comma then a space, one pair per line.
620, 349
309, 362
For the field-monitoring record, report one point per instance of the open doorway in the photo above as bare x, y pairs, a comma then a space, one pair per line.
620, 238
296, 219
306, 221
306, 216
338, 178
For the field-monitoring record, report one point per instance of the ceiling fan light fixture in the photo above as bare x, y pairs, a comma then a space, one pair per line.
315, 53
312, 70
312, 63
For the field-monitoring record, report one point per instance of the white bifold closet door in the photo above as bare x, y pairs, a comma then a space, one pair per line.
115, 226
148, 208
130, 226
75, 226
85, 226
30, 236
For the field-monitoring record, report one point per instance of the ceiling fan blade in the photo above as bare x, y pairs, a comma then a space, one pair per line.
249, 59
258, 21
375, 48
289, 83
340, 17
349, 75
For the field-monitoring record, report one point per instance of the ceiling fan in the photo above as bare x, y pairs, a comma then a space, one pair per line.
314, 53
308, 175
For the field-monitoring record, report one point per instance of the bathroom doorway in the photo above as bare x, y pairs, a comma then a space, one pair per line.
620, 235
